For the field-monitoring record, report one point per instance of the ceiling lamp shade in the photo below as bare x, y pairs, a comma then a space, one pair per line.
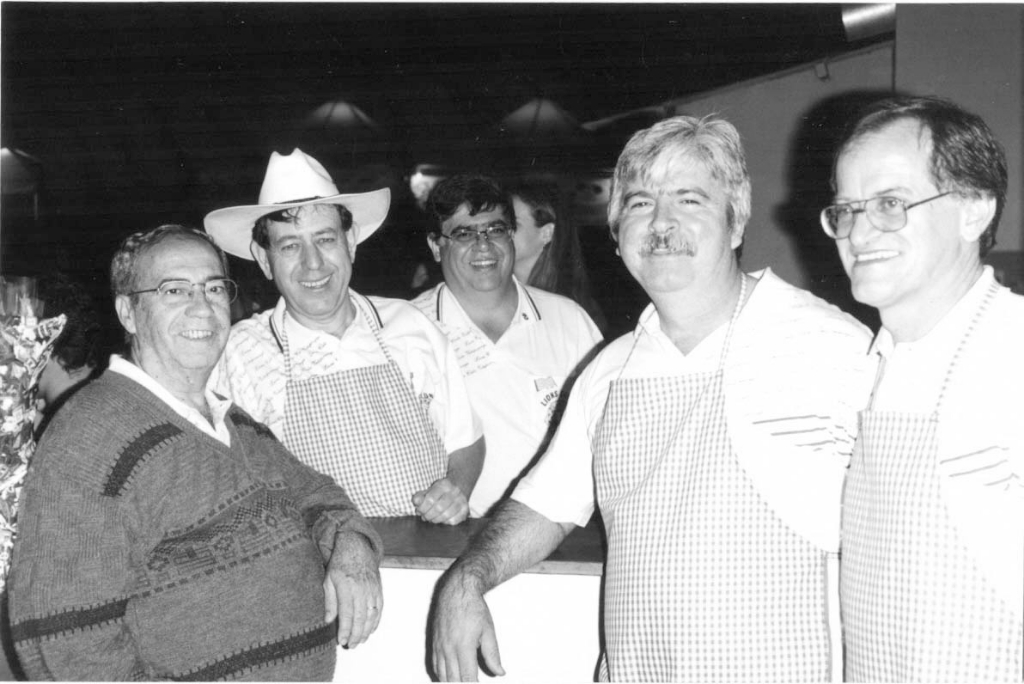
20, 172
541, 118
341, 115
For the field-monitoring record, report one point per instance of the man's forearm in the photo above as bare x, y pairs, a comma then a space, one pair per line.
516, 539
464, 466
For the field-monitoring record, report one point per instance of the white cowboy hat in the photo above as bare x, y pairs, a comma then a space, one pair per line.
294, 180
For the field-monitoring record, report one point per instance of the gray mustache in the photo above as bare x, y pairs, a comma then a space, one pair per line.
666, 241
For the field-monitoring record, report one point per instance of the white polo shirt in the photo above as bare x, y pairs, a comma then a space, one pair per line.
252, 369
514, 383
796, 375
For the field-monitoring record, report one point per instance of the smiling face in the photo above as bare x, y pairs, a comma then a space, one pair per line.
177, 345
484, 265
674, 234
310, 262
920, 271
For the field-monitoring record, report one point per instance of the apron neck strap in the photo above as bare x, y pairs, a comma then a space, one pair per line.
374, 321
978, 314
728, 332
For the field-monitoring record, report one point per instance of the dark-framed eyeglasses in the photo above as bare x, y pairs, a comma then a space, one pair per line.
173, 292
496, 232
885, 213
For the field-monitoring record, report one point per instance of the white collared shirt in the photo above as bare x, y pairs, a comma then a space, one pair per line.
908, 382
514, 383
218, 406
796, 365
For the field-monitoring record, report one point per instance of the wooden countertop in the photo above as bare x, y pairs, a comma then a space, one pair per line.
411, 543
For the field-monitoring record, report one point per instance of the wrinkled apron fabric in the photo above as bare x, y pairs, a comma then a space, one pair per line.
368, 430
915, 606
703, 581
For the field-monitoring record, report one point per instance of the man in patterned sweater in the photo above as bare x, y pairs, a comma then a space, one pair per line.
164, 534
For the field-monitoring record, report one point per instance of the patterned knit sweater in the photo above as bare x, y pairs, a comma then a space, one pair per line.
149, 550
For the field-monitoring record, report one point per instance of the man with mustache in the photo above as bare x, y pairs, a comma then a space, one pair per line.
933, 514
713, 440
166, 535
365, 389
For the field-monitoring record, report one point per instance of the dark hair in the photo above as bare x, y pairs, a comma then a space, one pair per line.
965, 157
559, 268
481, 193
80, 343
124, 265
261, 229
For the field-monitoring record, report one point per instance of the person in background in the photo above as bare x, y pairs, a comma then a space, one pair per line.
713, 439
548, 252
516, 345
78, 352
933, 517
364, 389
165, 534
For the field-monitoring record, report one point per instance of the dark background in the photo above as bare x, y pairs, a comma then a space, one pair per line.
147, 113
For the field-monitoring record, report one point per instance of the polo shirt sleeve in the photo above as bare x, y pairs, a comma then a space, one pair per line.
427, 360
561, 485
451, 410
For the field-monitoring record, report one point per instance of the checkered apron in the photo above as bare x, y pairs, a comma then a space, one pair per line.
368, 430
915, 606
703, 582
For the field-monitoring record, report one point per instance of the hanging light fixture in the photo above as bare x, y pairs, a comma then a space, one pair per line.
21, 174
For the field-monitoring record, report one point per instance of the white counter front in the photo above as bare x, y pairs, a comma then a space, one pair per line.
547, 619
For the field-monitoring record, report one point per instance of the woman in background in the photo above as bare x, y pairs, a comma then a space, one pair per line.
548, 253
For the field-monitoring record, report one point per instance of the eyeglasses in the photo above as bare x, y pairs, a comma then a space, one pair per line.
496, 232
175, 292
885, 213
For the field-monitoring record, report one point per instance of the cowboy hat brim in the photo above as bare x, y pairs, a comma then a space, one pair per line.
231, 227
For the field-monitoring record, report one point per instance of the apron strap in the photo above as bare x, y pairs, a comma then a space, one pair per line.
277, 337
728, 333
677, 430
375, 322
376, 325
985, 303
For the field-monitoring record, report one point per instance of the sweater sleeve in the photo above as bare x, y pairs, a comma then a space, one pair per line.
71, 583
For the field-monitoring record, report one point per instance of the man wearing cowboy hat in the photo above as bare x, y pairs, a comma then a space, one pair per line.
364, 389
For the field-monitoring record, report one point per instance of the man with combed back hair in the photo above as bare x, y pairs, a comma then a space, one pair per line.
933, 514
713, 439
165, 534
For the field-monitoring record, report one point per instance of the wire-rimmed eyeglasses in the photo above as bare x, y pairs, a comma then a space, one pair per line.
885, 213
496, 232
174, 292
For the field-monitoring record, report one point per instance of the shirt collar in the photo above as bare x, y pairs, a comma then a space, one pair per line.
299, 336
451, 313
218, 405
950, 326
649, 323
